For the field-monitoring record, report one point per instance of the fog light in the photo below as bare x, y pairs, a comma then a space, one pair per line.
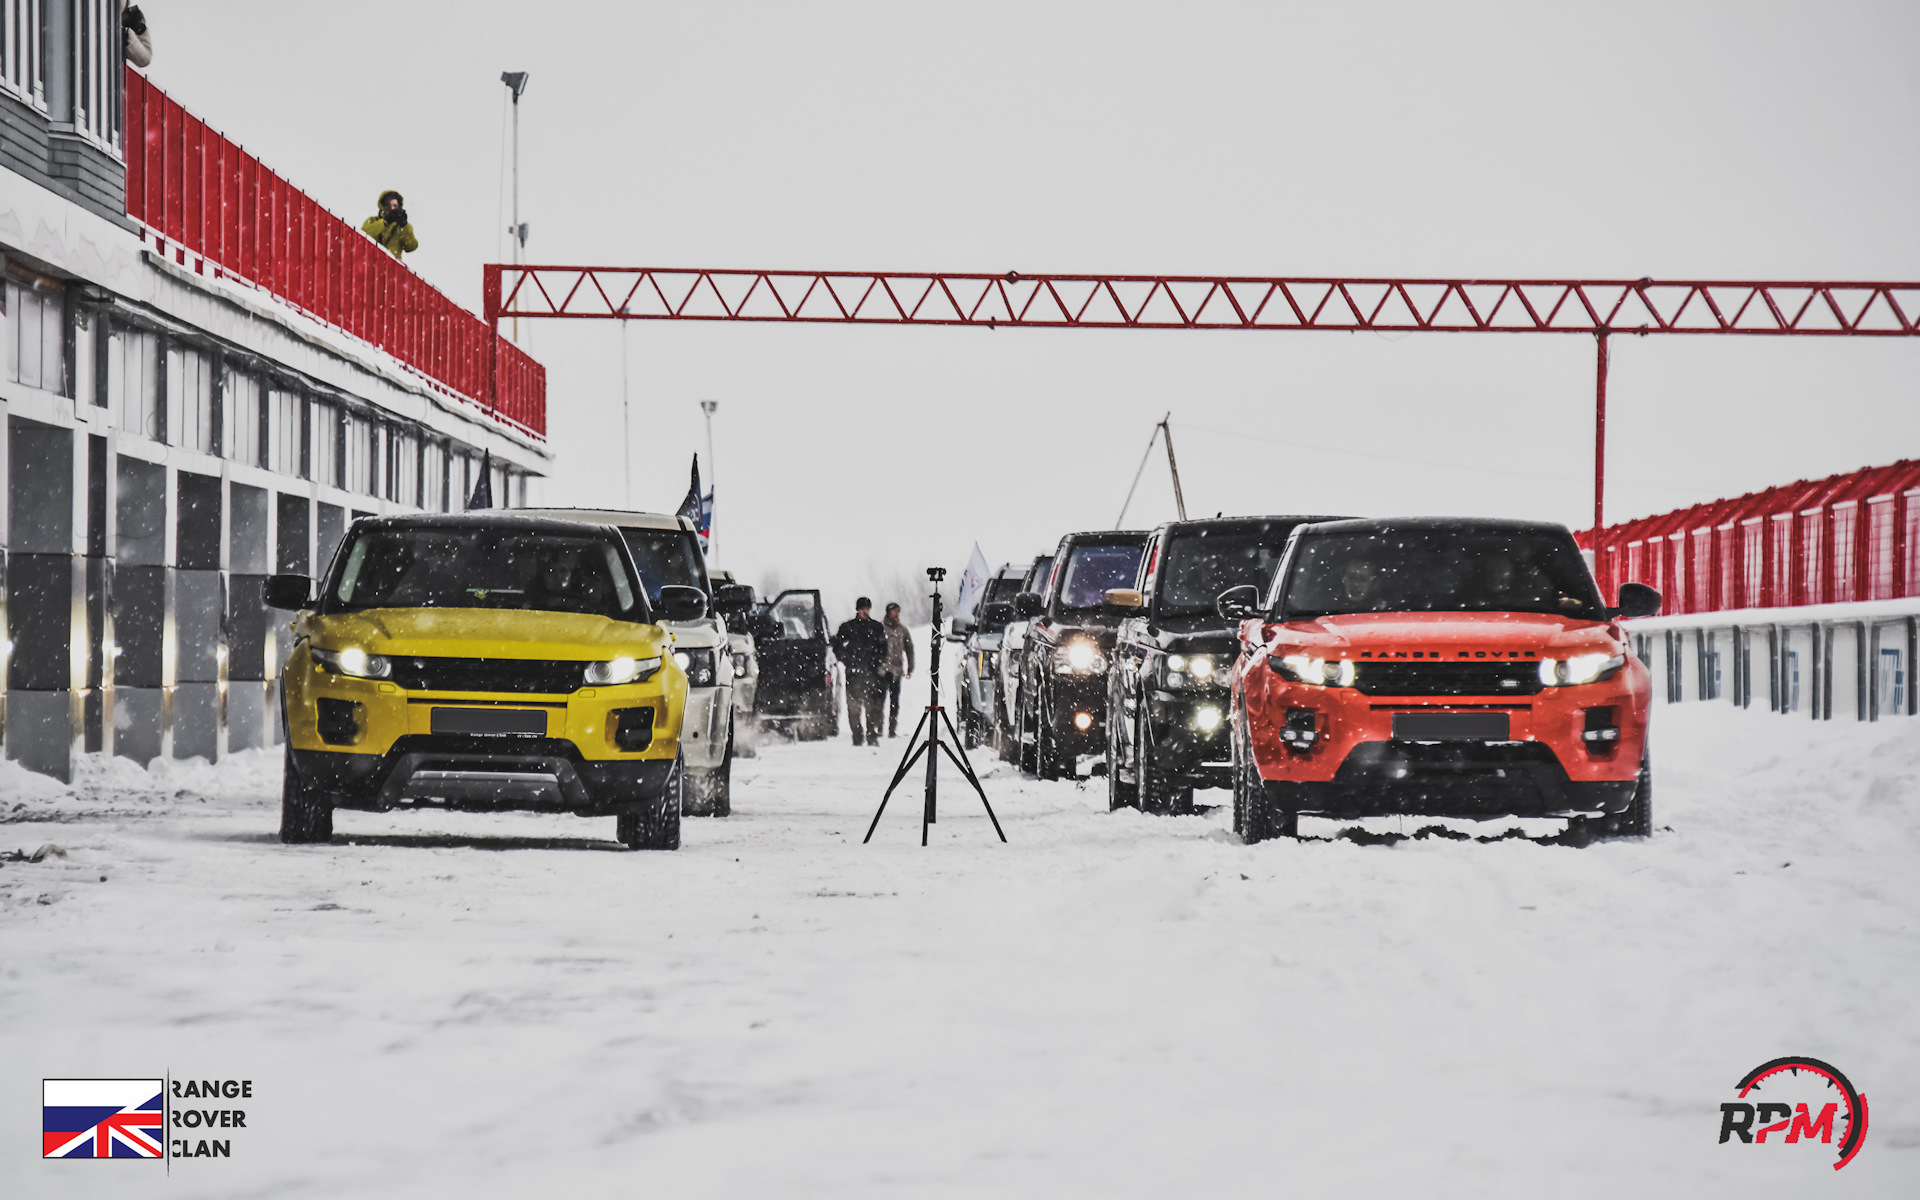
1083, 721
1207, 720
1299, 733
1602, 732
632, 728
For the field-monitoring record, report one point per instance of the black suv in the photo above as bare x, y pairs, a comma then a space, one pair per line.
799, 684
1168, 691
1063, 687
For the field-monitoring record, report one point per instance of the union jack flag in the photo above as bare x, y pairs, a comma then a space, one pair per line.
103, 1118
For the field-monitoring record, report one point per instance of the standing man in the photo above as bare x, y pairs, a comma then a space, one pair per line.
899, 665
861, 645
390, 226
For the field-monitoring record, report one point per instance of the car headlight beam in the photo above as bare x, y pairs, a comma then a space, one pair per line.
1302, 668
1580, 668
624, 669
352, 661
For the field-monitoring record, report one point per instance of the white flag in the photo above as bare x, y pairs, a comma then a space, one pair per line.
973, 582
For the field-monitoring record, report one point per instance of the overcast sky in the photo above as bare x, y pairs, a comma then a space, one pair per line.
1673, 140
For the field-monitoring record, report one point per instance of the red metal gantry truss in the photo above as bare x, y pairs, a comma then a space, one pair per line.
1596, 307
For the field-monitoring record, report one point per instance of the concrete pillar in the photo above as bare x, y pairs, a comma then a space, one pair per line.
200, 608
249, 562
46, 608
143, 613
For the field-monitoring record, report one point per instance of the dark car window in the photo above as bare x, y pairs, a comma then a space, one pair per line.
483, 568
1091, 570
1196, 565
1003, 587
666, 556
1439, 570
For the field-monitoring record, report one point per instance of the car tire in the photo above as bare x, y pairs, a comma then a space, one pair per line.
1636, 820
723, 784
1046, 754
1027, 737
1121, 793
655, 824
306, 815
709, 793
1249, 801
1161, 792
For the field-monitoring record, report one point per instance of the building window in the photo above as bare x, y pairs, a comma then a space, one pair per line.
35, 335
98, 79
284, 433
189, 398
243, 412
22, 55
133, 381
359, 456
323, 436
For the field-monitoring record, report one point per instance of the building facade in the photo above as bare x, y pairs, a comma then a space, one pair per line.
203, 379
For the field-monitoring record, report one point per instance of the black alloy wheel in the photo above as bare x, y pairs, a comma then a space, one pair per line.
1121, 793
1046, 746
306, 815
1161, 791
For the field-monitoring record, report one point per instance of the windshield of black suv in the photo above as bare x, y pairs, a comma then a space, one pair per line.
1439, 570
1001, 587
1196, 565
484, 568
1092, 569
795, 615
666, 556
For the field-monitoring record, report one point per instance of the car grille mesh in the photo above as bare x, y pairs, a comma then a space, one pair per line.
1448, 678
517, 675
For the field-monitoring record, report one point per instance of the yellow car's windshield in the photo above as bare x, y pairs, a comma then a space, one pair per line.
484, 568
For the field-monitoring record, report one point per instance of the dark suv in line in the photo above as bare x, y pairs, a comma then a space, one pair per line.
1167, 695
1063, 689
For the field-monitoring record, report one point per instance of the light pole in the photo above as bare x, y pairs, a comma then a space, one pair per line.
516, 82
708, 407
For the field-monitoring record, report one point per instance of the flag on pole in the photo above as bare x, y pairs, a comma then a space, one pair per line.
698, 506
973, 583
483, 488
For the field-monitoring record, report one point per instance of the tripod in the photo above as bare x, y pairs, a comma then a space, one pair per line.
931, 720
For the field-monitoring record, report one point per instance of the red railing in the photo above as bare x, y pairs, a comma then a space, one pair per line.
1829, 541
216, 207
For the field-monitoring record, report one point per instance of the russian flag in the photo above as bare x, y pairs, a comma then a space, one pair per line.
103, 1118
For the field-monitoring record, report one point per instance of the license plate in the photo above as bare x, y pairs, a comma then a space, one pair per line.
491, 722
1451, 727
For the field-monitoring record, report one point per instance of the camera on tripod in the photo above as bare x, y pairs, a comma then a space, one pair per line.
936, 573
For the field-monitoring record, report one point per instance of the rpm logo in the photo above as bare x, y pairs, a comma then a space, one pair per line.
1792, 1100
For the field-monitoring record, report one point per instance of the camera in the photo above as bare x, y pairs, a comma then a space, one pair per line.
936, 573
134, 19
397, 216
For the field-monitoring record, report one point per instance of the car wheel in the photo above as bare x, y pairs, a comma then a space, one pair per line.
723, 780
1161, 791
1046, 754
655, 825
1249, 800
305, 814
1121, 793
1636, 820
1027, 736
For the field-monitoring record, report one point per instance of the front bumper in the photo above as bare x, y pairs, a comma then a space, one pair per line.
480, 773
1069, 696
1187, 744
1545, 766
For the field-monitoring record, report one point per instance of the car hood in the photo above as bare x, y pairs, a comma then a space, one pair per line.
1472, 633
484, 633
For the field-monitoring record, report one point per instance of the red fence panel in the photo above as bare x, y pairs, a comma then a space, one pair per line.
1828, 541
192, 188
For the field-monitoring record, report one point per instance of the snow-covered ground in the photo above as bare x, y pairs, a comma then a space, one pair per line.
445, 1004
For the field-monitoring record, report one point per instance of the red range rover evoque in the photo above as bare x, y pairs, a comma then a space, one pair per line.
1438, 667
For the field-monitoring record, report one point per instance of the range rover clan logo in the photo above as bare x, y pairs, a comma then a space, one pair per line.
1803, 1099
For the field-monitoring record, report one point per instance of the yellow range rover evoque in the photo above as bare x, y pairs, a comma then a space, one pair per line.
483, 661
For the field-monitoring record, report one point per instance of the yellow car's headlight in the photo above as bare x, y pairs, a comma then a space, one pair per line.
620, 670
352, 661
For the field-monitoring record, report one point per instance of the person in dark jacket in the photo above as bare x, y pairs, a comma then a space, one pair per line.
899, 665
390, 226
861, 646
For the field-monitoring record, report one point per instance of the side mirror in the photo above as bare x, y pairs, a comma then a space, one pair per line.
1124, 598
679, 603
1027, 604
733, 598
998, 613
1636, 600
1238, 603
289, 591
